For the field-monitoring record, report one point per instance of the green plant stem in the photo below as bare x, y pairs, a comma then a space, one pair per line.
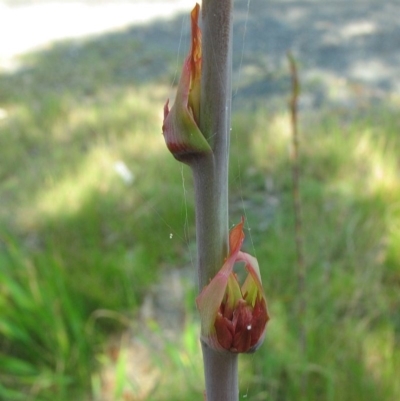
211, 172
300, 260
211, 178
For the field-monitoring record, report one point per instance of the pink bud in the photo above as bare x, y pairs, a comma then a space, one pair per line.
234, 317
181, 124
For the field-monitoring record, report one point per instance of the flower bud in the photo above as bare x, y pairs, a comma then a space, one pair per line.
181, 124
234, 317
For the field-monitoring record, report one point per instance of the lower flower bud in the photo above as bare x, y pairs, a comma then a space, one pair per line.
234, 317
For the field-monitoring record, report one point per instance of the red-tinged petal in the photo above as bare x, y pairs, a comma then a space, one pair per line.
236, 238
253, 293
251, 264
195, 65
249, 325
224, 331
211, 297
258, 323
242, 321
195, 50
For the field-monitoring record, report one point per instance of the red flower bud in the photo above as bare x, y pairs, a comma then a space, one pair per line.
181, 124
234, 317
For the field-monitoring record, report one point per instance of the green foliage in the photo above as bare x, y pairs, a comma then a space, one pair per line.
80, 247
79, 240
43, 347
350, 186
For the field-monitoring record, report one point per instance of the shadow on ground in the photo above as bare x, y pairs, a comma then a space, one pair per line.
347, 52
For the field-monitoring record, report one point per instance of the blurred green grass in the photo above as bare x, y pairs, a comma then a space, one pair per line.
80, 247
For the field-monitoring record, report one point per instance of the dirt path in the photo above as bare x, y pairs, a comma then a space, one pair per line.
348, 52
46, 21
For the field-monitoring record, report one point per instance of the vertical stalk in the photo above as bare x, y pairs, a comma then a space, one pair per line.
196, 130
301, 264
215, 114
211, 178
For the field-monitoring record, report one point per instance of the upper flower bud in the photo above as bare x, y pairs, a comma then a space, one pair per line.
181, 124
234, 317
